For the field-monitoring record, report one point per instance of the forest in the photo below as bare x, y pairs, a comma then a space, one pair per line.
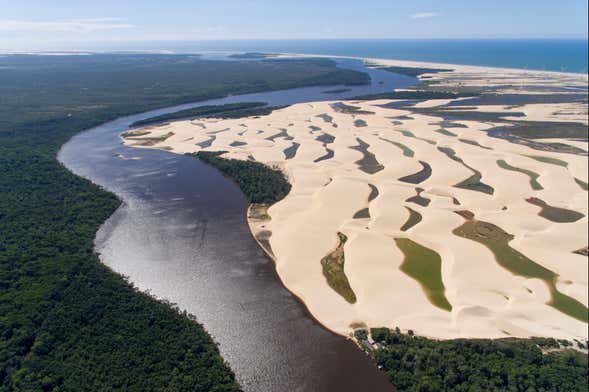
416, 363
413, 71
230, 110
67, 322
260, 184
415, 95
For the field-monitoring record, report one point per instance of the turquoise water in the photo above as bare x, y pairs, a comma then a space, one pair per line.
567, 55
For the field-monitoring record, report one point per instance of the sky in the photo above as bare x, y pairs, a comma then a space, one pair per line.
41, 24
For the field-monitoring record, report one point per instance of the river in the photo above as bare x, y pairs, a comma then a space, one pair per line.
181, 234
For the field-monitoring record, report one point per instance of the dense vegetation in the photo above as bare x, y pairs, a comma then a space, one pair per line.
260, 183
250, 55
230, 110
66, 321
547, 130
414, 94
48, 87
419, 364
338, 77
413, 71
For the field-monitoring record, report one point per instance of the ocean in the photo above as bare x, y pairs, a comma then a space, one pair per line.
565, 55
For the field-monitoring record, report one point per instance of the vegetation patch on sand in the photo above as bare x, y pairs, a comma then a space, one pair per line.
549, 160
150, 141
555, 214
413, 71
415, 363
333, 270
136, 133
497, 241
425, 266
533, 175
257, 216
263, 238
259, 183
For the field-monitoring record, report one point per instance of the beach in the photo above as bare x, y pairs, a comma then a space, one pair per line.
380, 185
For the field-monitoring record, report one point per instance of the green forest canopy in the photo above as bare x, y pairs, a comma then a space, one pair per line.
419, 364
230, 110
260, 183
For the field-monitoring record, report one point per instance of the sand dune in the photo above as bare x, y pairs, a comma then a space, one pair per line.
486, 298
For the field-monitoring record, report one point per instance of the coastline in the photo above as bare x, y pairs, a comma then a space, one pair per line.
273, 157
429, 64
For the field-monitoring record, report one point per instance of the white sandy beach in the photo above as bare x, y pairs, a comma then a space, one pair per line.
488, 301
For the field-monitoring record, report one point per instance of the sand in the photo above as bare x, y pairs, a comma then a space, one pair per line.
488, 301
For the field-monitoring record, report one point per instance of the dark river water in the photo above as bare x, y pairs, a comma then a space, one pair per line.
182, 235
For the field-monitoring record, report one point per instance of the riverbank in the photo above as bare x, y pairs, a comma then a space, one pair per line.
59, 298
347, 177
416, 363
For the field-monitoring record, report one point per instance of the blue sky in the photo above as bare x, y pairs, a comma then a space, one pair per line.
30, 24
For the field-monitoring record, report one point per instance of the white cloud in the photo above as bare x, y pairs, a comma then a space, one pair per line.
65, 26
424, 15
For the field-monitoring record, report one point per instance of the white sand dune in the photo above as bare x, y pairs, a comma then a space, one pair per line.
487, 299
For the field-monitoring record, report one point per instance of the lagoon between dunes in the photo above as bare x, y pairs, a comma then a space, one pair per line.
456, 208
